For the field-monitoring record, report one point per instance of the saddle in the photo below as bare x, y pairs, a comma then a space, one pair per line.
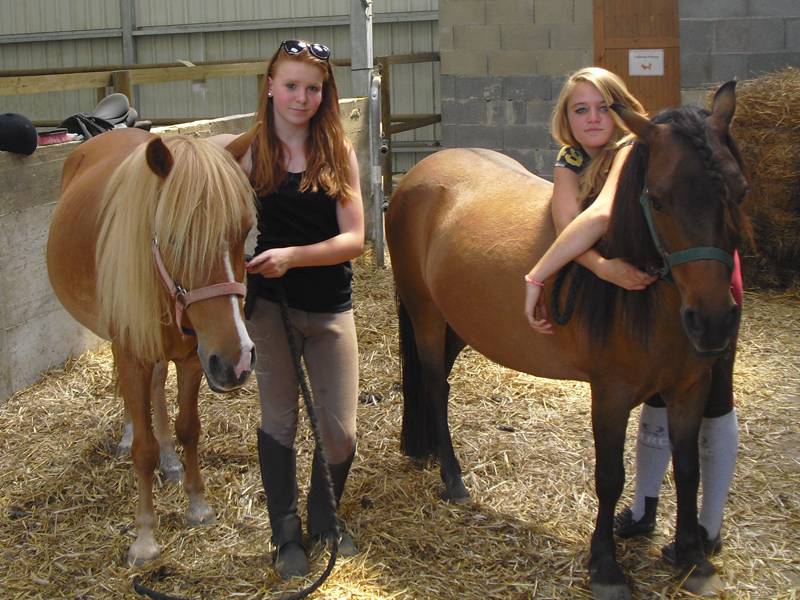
112, 111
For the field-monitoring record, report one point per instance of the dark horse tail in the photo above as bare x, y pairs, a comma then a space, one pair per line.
418, 437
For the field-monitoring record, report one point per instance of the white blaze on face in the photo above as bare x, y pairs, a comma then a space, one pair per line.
245, 343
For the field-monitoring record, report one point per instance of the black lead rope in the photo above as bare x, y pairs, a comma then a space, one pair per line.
312, 416
562, 318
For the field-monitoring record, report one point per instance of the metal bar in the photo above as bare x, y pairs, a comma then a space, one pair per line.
376, 170
265, 24
56, 36
360, 47
386, 112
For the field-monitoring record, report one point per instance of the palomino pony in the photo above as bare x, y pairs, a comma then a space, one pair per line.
146, 226
465, 225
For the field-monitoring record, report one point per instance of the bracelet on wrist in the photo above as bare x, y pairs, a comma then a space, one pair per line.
534, 281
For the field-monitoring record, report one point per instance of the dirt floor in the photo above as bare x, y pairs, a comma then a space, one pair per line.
67, 503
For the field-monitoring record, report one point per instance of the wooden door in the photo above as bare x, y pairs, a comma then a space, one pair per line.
636, 38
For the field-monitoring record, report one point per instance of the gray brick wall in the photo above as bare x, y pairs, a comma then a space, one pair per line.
503, 63
723, 39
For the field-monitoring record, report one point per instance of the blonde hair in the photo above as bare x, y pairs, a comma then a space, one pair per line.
194, 212
327, 148
612, 89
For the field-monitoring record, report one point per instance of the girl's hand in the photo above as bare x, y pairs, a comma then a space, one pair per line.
625, 275
271, 263
535, 310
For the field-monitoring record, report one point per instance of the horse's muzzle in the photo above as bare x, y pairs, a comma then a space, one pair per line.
710, 333
222, 375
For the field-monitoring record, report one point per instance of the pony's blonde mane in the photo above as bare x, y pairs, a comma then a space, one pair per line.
196, 213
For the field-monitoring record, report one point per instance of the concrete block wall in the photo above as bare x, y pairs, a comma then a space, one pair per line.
723, 39
502, 65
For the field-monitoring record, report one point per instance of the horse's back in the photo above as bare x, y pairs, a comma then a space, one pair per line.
101, 152
74, 225
463, 227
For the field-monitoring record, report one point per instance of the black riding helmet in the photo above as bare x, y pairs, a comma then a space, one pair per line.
17, 134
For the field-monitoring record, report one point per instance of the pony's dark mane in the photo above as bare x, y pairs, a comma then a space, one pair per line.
628, 236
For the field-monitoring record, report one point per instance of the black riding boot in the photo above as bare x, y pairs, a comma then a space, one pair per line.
278, 474
625, 526
321, 518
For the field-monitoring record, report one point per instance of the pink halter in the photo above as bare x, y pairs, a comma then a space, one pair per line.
183, 298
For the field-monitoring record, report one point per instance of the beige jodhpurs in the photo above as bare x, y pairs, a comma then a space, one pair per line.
327, 342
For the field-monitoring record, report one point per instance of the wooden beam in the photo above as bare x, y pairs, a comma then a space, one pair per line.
38, 84
415, 124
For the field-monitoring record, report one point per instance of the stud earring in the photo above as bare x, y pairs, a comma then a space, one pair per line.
269, 93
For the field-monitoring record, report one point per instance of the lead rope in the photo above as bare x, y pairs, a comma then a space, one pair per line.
312, 416
555, 310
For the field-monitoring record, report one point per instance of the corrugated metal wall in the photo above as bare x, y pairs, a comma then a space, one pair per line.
38, 34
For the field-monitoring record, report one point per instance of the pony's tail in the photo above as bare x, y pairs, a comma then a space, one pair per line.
418, 436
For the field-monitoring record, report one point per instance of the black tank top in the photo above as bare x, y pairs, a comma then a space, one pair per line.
289, 217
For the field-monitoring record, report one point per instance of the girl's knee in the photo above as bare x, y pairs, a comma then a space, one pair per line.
340, 449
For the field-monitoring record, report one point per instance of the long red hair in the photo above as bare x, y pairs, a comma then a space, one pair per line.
327, 148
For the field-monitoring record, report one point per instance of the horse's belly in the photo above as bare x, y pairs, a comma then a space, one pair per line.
71, 261
475, 268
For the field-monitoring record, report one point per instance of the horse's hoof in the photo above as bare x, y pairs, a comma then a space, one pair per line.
610, 591
142, 552
171, 467
456, 498
708, 585
418, 462
200, 514
172, 474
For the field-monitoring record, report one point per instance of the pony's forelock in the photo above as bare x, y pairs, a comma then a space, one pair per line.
195, 213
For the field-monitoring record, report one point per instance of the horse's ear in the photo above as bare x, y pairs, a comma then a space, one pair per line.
724, 104
242, 143
638, 124
159, 158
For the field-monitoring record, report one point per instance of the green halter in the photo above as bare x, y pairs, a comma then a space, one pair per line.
682, 256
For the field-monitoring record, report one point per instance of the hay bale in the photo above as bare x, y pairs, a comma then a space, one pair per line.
767, 130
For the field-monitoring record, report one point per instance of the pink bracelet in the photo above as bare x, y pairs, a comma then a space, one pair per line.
533, 281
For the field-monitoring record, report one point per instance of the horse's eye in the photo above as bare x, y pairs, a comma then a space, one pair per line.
655, 203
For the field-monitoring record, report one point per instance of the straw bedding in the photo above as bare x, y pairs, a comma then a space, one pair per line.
767, 130
67, 504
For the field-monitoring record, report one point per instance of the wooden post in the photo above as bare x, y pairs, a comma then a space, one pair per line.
121, 82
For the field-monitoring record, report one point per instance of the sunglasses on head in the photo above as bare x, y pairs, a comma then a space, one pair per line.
295, 47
